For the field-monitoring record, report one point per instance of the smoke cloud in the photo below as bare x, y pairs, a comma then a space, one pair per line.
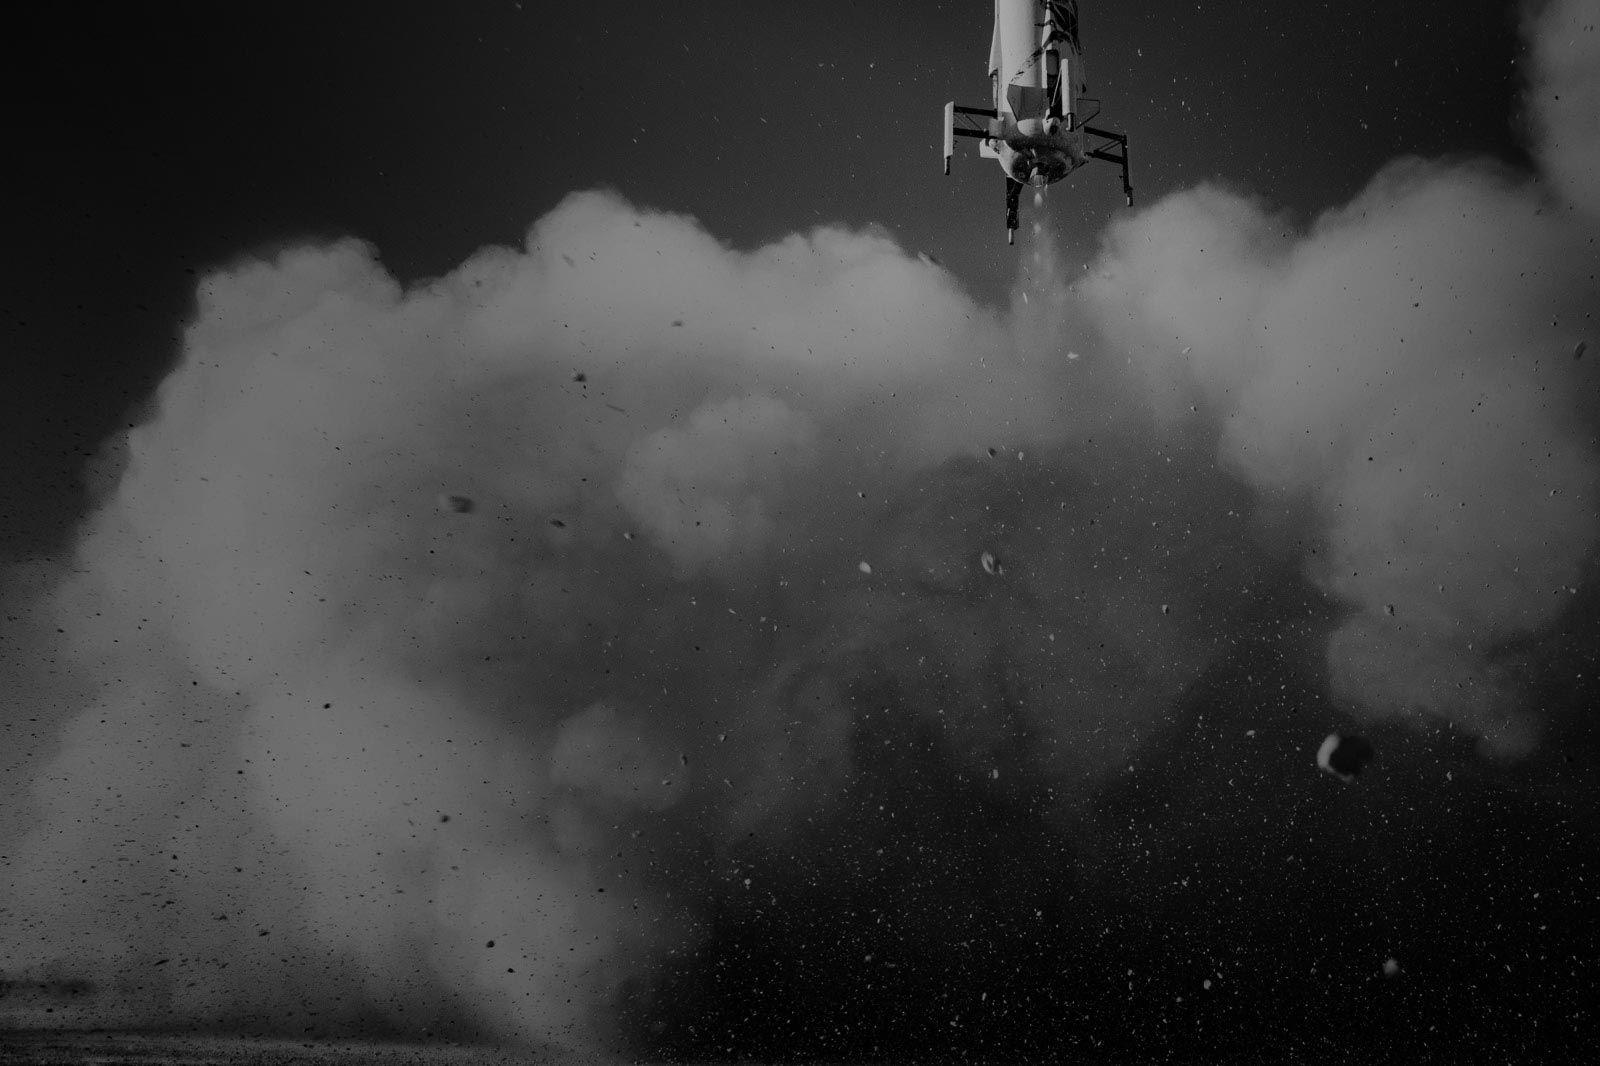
1564, 99
1406, 368
432, 652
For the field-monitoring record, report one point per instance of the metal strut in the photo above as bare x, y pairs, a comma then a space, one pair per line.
968, 127
1121, 158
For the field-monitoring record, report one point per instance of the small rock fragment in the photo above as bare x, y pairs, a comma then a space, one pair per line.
864, 566
1391, 967
455, 503
1579, 348
990, 564
1344, 757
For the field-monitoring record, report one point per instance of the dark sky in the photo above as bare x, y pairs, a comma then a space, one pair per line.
152, 142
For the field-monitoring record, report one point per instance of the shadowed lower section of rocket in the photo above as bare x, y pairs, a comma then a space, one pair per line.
1037, 127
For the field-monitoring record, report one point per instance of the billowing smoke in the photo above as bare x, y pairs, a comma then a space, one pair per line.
1407, 369
1564, 99
440, 652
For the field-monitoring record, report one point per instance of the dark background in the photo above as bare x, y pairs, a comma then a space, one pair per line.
145, 143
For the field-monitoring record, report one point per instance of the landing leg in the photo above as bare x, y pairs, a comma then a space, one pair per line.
1013, 194
1119, 140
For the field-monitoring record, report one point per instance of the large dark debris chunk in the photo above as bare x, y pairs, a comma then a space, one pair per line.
1344, 757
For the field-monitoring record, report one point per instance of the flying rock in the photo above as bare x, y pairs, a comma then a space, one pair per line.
1344, 757
455, 503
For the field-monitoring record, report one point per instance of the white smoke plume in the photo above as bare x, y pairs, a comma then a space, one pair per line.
438, 646
1564, 99
1407, 365
418, 619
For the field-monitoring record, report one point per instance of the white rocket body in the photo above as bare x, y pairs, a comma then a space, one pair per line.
1036, 127
1036, 77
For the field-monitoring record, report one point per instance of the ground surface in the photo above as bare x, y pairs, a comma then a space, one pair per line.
127, 1049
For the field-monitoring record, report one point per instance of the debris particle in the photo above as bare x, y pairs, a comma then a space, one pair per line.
1072, 355
678, 322
994, 774
990, 564
1579, 348
580, 377
1166, 608
1187, 350
558, 523
1344, 757
1249, 732
992, 453
570, 261
864, 566
1388, 609
1391, 967
456, 504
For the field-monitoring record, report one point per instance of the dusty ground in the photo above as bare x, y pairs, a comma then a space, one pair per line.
60, 1048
